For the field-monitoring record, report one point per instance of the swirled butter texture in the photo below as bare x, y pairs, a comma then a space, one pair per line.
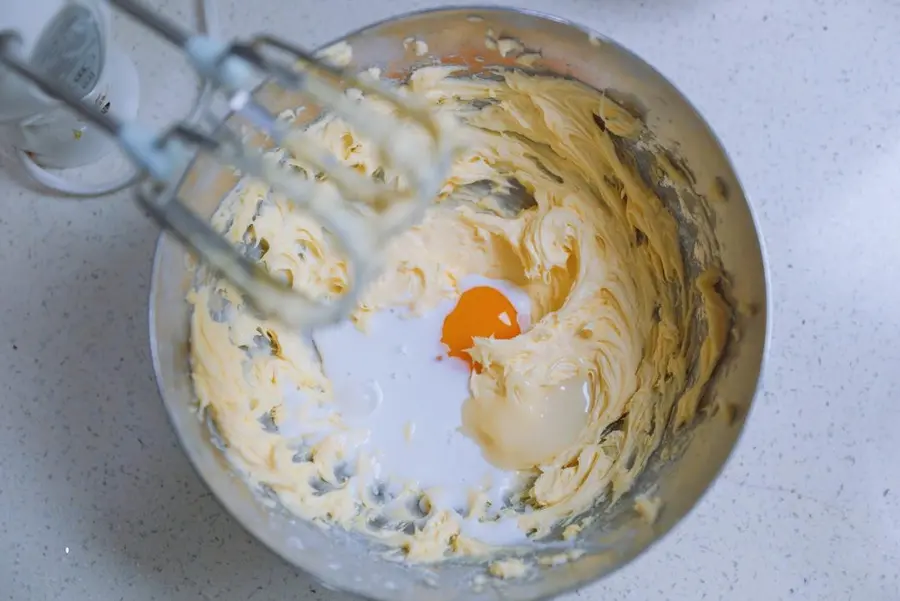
619, 326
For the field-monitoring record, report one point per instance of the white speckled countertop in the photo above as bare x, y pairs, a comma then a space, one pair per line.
97, 500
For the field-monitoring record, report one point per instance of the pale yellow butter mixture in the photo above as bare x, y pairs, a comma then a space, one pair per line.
613, 308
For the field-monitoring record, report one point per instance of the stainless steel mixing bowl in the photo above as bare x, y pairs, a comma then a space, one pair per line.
687, 462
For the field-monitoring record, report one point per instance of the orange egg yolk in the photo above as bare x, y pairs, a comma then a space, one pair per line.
481, 312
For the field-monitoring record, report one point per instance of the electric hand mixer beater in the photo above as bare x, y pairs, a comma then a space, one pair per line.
361, 212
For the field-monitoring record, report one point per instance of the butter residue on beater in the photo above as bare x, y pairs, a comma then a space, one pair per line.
337, 55
614, 307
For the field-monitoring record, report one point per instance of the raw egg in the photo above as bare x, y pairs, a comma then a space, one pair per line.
481, 312
401, 409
